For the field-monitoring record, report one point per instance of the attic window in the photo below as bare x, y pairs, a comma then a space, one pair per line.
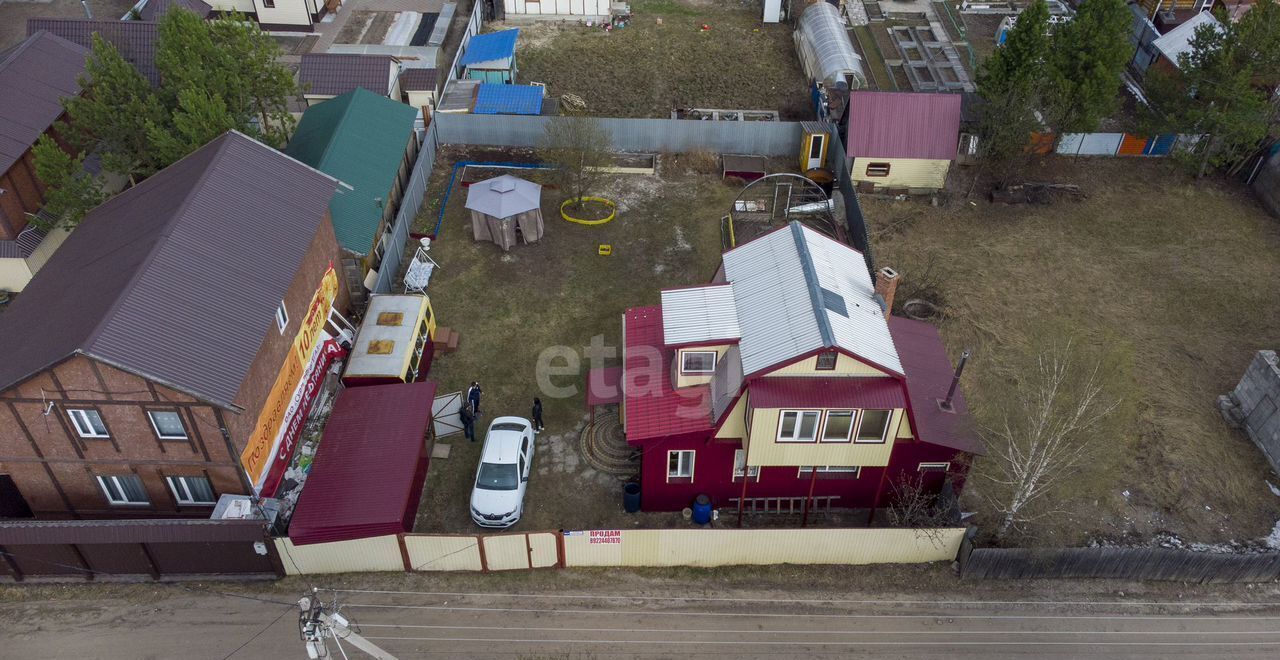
834, 302
877, 169
391, 318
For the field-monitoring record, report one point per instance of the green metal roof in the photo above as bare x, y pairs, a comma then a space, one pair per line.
360, 139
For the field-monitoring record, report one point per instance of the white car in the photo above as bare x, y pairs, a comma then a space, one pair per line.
497, 500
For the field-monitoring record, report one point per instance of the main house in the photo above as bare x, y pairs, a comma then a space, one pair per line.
784, 379
153, 363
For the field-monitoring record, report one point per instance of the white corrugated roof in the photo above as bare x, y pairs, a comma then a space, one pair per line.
778, 283
699, 315
1178, 40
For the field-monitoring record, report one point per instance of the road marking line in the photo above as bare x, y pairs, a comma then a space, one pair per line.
828, 632
489, 640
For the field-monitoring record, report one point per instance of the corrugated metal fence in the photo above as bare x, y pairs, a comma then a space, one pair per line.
1120, 564
1121, 144
627, 547
474, 23
410, 203
765, 138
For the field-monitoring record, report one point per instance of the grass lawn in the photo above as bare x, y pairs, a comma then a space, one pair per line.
559, 292
1168, 282
647, 68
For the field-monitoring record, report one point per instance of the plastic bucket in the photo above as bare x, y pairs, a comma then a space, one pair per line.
631, 497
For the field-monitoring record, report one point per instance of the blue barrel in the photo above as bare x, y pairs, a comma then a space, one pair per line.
631, 497
702, 510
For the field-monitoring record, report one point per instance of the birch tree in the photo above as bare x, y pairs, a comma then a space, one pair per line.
1045, 436
579, 149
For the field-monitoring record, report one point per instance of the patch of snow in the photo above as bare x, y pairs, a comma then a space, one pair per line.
1273, 541
681, 243
1274, 491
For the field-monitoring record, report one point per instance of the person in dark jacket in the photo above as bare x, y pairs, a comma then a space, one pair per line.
473, 396
537, 414
468, 420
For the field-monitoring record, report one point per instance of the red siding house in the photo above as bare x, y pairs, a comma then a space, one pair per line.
784, 379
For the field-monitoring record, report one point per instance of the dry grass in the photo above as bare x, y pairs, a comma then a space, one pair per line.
647, 69
559, 292
1170, 282
14, 15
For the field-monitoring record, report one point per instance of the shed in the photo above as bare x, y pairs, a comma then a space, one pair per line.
493, 99
504, 207
394, 341
902, 140
491, 57
1173, 44
421, 88
369, 471
326, 75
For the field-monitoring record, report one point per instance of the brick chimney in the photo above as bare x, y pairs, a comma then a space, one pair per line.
886, 286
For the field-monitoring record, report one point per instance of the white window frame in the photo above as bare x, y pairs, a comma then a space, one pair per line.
800, 415
853, 424
884, 433
151, 417
697, 372
282, 317
115, 481
855, 470
740, 467
692, 454
933, 467
80, 420
184, 494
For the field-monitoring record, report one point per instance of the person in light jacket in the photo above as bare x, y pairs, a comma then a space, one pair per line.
473, 397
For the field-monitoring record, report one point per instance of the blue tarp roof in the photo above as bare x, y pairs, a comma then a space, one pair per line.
495, 99
491, 46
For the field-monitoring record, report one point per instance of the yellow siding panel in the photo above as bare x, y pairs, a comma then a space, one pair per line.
904, 427
544, 549
845, 366
735, 424
443, 553
764, 448
504, 552
904, 172
380, 553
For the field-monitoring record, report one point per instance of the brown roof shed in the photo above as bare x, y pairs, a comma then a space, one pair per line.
335, 74
136, 40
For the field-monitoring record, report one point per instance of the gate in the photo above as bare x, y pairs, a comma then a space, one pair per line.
507, 552
444, 414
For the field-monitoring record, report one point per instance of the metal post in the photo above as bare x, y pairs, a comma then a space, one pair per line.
742, 498
955, 380
813, 480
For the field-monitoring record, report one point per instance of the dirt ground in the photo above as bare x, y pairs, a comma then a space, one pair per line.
560, 292
647, 68
14, 15
1158, 278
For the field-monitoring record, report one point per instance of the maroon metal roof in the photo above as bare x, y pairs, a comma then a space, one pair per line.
929, 374
654, 409
335, 74
35, 76
136, 40
604, 386
804, 392
177, 279
419, 80
53, 532
903, 125
368, 473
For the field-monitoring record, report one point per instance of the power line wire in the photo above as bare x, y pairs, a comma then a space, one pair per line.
258, 634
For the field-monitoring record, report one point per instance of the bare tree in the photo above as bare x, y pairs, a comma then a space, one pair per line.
1046, 434
579, 148
915, 507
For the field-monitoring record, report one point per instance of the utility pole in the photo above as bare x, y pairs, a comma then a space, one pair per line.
316, 623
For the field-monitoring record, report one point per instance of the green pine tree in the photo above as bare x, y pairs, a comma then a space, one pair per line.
72, 191
1011, 83
1087, 56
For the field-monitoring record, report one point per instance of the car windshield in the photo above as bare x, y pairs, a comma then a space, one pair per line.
497, 476
507, 426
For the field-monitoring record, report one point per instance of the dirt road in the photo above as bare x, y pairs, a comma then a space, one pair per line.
544, 622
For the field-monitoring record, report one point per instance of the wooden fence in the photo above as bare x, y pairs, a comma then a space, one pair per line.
626, 547
1120, 564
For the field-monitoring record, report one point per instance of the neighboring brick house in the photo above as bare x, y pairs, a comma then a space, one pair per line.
786, 361
35, 76
151, 357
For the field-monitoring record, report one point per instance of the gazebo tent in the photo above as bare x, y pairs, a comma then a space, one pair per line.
501, 205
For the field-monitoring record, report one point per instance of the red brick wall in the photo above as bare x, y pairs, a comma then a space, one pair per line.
55, 469
23, 194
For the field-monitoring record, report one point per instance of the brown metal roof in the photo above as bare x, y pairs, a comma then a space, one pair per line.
34, 77
419, 80
177, 279
136, 40
334, 74
154, 9
54, 532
